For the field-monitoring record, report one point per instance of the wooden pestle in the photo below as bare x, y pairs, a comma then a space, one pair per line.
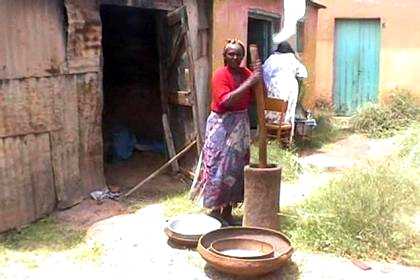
260, 99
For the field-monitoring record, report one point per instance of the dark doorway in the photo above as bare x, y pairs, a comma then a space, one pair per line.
259, 33
132, 126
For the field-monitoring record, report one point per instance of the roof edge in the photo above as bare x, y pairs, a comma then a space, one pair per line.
316, 5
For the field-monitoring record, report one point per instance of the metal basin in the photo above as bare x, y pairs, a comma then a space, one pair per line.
187, 229
246, 267
242, 248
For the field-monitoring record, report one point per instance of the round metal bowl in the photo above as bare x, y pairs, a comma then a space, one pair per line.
242, 248
187, 242
187, 229
246, 267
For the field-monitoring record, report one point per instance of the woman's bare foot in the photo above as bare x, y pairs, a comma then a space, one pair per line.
215, 213
229, 218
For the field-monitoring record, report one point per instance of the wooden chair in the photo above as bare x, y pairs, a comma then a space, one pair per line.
282, 130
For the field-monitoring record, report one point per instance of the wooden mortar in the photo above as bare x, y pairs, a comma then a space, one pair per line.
261, 197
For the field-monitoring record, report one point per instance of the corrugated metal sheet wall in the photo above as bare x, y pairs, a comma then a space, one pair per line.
50, 107
32, 38
30, 105
26, 179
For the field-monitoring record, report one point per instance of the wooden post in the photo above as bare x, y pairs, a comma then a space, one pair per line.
259, 97
191, 86
191, 81
164, 93
169, 141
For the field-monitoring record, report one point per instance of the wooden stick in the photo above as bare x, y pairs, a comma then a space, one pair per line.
163, 167
259, 96
197, 171
169, 141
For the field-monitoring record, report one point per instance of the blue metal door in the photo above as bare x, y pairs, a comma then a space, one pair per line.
357, 46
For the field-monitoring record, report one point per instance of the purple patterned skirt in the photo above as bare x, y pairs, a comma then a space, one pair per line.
225, 154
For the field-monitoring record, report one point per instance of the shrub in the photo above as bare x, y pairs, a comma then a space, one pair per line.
384, 120
403, 107
374, 120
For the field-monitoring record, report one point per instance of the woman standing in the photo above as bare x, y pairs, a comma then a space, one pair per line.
281, 71
226, 147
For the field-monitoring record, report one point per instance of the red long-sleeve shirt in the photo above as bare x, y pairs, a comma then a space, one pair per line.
222, 84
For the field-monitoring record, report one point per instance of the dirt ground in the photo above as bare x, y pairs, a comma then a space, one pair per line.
136, 242
127, 174
135, 246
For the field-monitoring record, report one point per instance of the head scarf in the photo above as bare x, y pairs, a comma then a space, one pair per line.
235, 41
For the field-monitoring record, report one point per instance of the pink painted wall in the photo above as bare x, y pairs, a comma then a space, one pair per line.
309, 52
230, 20
400, 42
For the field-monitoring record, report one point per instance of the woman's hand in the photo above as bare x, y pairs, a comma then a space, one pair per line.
256, 75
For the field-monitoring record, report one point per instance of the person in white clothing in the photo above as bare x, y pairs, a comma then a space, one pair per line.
281, 72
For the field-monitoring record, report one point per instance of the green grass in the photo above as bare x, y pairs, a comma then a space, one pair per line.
179, 204
287, 158
44, 234
33, 244
367, 213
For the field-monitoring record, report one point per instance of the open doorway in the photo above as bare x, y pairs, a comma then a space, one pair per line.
259, 33
132, 113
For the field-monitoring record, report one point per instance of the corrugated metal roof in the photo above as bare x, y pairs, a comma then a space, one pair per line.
32, 38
